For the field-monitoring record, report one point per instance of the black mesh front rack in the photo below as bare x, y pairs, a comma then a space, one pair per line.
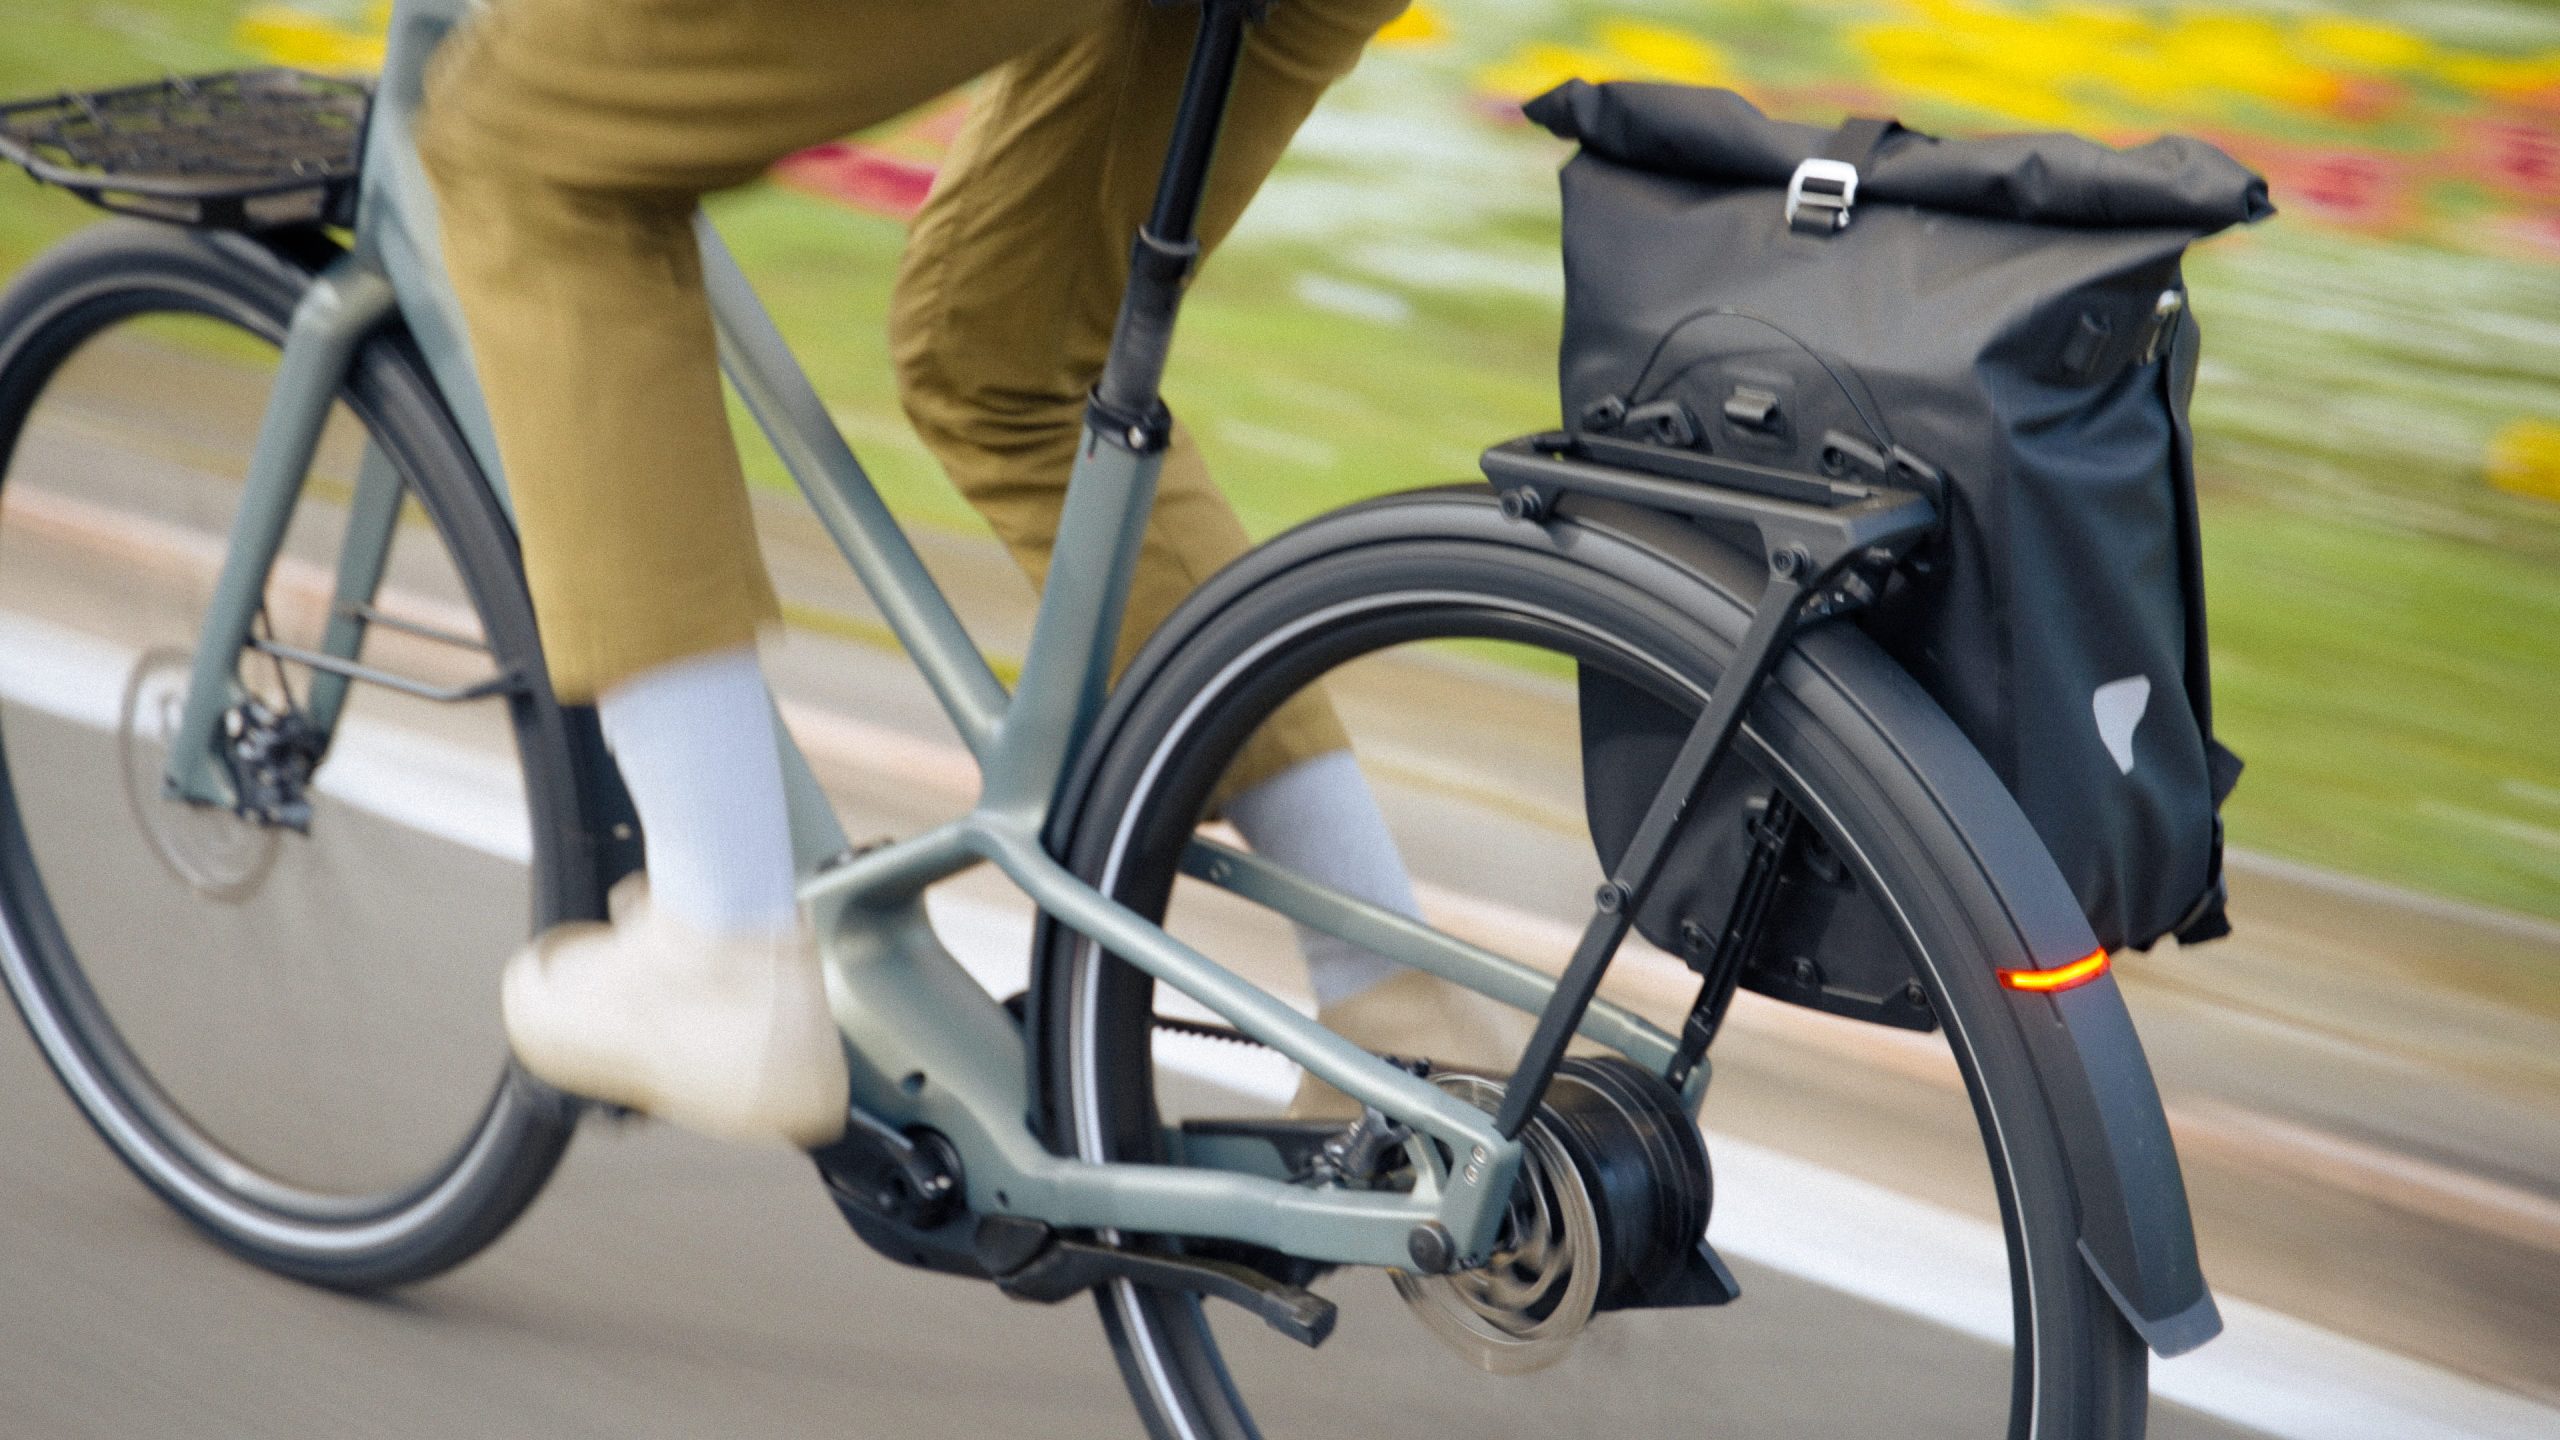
244, 149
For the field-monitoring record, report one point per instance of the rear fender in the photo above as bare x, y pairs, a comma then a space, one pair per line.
2136, 1233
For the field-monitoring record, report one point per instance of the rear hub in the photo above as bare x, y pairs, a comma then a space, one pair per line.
1610, 1212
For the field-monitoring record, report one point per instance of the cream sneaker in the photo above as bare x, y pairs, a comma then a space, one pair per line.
726, 1035
1417, 1016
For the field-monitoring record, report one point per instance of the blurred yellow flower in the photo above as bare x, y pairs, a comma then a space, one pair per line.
2524, 459
2083, 66
2246, 55
2365, 44
2504, 76
2107, 24
2019, 67
1539, 67
283, 35
1656, 52
1419, 25
1626, 50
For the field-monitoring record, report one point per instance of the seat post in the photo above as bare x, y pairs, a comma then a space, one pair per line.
1168, 245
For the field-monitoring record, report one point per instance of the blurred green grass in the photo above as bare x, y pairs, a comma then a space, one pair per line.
2387, 627
2397, 697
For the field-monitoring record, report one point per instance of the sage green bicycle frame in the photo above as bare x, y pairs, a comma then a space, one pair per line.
928, 1045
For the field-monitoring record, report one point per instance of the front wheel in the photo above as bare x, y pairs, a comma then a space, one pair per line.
1895, 1204
287, 1031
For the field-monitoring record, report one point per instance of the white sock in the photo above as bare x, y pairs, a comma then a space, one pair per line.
1318, 819
696, 745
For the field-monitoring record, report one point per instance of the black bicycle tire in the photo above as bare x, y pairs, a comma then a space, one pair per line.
2085, 1372
102, 277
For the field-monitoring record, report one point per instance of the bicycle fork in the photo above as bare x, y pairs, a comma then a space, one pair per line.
214, 758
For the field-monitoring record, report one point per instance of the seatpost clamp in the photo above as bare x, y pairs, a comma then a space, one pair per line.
1140, 432
1819, 195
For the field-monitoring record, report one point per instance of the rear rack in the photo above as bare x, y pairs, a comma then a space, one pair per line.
239, 150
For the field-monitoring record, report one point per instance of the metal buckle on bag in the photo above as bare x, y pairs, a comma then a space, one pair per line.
2163, 325
1819, 195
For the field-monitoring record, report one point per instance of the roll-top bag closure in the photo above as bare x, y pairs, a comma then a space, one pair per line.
2049, 179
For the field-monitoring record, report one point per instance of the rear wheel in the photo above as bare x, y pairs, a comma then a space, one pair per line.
289, 1034
1896, 1205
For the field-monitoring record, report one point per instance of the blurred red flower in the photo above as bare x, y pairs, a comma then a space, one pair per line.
859, 176
2518, 155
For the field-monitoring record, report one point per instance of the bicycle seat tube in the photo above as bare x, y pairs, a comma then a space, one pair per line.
1108, 497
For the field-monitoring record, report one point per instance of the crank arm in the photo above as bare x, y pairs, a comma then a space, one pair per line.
1065, 1268
901, 1193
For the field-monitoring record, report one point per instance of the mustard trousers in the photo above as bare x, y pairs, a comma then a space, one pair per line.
569, 142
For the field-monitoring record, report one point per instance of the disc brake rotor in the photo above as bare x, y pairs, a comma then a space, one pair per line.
220, 855
1524, 1308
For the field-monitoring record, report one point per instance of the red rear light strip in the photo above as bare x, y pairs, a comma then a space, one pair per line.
2060, 977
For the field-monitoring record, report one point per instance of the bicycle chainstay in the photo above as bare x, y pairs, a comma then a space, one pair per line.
1018, 1005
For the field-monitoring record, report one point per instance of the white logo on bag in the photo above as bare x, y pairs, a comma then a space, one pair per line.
2119, 704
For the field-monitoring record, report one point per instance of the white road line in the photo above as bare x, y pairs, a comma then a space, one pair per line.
62, 672
2268, 1372
453, 791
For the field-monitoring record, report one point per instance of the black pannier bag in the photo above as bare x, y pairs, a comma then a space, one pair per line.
2000, 320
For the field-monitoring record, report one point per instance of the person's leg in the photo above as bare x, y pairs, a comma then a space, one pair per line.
569, 141
1002, 318
696, 739
1013, 276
